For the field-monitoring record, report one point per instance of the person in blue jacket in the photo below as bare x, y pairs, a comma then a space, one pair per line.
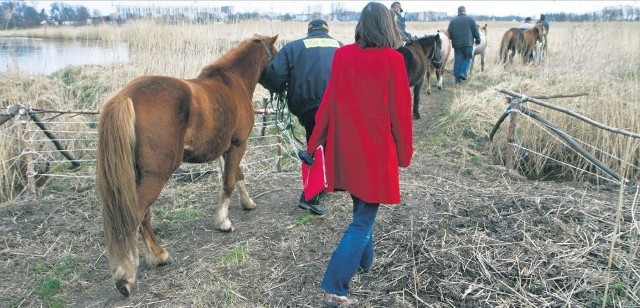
463, 31
302, 68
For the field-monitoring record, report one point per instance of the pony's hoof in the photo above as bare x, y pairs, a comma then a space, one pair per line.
226, 226
124, 287
227, 230
439, 87
166, 262
249, 206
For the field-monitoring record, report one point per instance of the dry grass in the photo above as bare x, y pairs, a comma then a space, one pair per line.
466, 235
597, 59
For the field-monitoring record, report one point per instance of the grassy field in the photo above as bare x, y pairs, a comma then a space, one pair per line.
597, 59
466, 234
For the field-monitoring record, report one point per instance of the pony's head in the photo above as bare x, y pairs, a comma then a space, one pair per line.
432, 44
268, 42
539, 30
269, 46
483, 29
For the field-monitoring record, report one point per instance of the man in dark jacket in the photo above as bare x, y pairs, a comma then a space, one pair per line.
302, 68
396, 9
463, 30
544, 24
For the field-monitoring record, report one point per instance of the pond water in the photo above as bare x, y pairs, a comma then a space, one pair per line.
45, 56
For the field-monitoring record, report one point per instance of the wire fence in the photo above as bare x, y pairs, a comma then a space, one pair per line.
591, 159
37, 148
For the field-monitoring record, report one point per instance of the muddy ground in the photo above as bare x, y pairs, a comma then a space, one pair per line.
465, 235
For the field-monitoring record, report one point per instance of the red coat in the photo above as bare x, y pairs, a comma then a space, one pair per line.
365, 122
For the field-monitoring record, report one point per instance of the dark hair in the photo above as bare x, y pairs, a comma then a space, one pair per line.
376, 27
528, 19
542, 16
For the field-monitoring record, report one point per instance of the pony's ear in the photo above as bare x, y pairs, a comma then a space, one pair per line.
272, 40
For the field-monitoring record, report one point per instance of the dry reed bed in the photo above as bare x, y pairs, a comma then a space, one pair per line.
465, 237
583, 58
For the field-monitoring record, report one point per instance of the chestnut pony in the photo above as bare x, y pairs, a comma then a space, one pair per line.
153, 125
523, 42
418, 55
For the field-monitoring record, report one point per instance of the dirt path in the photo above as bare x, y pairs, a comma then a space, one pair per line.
465, 235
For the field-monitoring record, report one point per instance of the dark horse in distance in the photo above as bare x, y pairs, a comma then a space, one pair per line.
417, 55
523, 42
153, 125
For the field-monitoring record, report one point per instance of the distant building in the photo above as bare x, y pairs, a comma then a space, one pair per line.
191, 12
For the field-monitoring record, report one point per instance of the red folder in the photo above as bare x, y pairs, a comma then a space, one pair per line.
314, 177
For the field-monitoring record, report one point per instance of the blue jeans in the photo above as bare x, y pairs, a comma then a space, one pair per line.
462, 61
355, 249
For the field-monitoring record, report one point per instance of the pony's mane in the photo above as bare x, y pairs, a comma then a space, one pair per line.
223, 64
426, 37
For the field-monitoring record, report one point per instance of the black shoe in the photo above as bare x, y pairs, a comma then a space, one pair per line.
416, 116
313, 208
463, 78
312, 205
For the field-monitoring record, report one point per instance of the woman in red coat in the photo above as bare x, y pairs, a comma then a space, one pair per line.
365, 122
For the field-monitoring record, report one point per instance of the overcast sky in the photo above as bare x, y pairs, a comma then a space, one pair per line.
496, 8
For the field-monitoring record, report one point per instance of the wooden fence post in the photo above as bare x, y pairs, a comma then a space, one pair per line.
514, 106
279, 163
265, 103
27, 152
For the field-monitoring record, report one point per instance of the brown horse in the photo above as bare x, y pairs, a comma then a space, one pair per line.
445, 51
418, 55
480, 49
153, 125
523, 42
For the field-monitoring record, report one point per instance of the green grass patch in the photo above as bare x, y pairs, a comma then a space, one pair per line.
181, 214
235, 256
229, 295
435, 141
303, 219
477, 160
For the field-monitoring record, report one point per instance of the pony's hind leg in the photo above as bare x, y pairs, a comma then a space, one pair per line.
148, 191
416, 100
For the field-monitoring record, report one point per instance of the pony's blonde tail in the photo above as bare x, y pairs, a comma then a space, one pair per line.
116, 179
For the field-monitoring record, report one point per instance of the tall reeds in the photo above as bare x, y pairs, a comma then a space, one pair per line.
599, 59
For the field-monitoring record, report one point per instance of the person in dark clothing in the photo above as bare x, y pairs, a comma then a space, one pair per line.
396, 9
526, 25
545, 24
463, 30
302, 68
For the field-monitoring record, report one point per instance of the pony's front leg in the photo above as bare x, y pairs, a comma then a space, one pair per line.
232, 174
439, 73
